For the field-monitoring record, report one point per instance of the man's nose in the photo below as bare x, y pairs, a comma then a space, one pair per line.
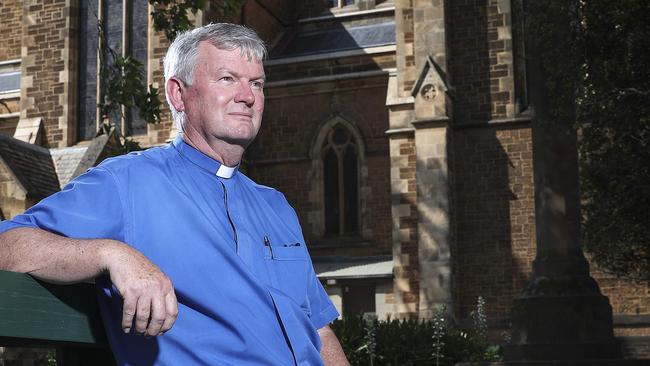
245, 94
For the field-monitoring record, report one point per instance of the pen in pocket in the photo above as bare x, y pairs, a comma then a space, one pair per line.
267, 243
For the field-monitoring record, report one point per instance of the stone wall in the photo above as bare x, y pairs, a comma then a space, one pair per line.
626, 297
494, 228
267, 18
406, 72
46, 75
13, 199
11, 29
481, 60
629, 300
158, 44
493, 219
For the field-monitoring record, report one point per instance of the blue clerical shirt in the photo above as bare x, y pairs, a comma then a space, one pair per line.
234, 250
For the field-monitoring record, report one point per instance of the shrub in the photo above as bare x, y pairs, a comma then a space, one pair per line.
413, 342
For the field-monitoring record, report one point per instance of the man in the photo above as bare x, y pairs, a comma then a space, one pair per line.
244, 291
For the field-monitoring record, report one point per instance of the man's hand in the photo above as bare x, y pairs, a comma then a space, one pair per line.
149, 300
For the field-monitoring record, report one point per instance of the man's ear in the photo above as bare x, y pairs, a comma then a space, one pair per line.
174, 90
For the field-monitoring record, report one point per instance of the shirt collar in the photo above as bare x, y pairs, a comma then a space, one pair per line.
202, 160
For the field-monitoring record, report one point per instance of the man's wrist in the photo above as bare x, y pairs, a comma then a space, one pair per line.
108, 252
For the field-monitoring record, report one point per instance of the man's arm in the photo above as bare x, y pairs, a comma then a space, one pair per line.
147, 292
331, 351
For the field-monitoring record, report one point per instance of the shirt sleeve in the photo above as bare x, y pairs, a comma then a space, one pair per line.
89, 207
323, 311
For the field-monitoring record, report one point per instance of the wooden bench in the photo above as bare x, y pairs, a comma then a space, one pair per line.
63, 317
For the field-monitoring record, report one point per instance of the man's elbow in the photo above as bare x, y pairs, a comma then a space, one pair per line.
7, 254
14, 251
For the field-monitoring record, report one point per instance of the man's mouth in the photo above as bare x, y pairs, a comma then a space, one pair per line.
242, 114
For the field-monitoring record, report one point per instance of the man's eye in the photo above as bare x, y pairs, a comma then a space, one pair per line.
227, 79
257, 85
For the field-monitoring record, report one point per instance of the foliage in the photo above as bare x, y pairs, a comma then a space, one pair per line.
615, 121
51, 358
594, 56
411, 342
479, 317
171, 16
370, 339
48, 359
439, 326
130, 145
123, 85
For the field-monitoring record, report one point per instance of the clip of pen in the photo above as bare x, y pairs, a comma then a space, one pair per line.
267, 243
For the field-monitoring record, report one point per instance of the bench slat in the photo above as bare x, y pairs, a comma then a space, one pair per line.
34, 311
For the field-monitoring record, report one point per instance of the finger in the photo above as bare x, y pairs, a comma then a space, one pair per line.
171, 309
142, 314
128, 311
157, 316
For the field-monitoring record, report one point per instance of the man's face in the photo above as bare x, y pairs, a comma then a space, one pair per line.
226, 99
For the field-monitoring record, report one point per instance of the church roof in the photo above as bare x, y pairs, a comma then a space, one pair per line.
43, 171
66, 160
340, 38
31, 164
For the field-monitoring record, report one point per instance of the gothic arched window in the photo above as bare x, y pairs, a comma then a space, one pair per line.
340, 154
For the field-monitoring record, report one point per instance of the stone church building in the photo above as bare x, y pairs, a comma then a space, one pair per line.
398, 129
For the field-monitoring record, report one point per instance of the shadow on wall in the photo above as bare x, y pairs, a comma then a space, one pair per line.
493, 231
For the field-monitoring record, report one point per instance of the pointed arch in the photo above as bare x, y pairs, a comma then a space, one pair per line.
328, 125
337, 154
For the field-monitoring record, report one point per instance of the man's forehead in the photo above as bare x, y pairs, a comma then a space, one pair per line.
248, 55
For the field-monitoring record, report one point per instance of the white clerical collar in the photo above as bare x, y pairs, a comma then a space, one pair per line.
226, 171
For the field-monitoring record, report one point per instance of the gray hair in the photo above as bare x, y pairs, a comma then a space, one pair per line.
180, 61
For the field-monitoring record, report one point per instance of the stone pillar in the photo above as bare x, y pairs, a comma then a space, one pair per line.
418, 137
433, 216
404, 213
429, 32
404, 58
403, 200
561, 314
402, 162
502, 73
432, 116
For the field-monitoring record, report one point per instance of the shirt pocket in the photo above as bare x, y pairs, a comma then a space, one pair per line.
289, 270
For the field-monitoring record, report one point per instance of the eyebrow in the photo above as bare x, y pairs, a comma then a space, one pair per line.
221, 69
